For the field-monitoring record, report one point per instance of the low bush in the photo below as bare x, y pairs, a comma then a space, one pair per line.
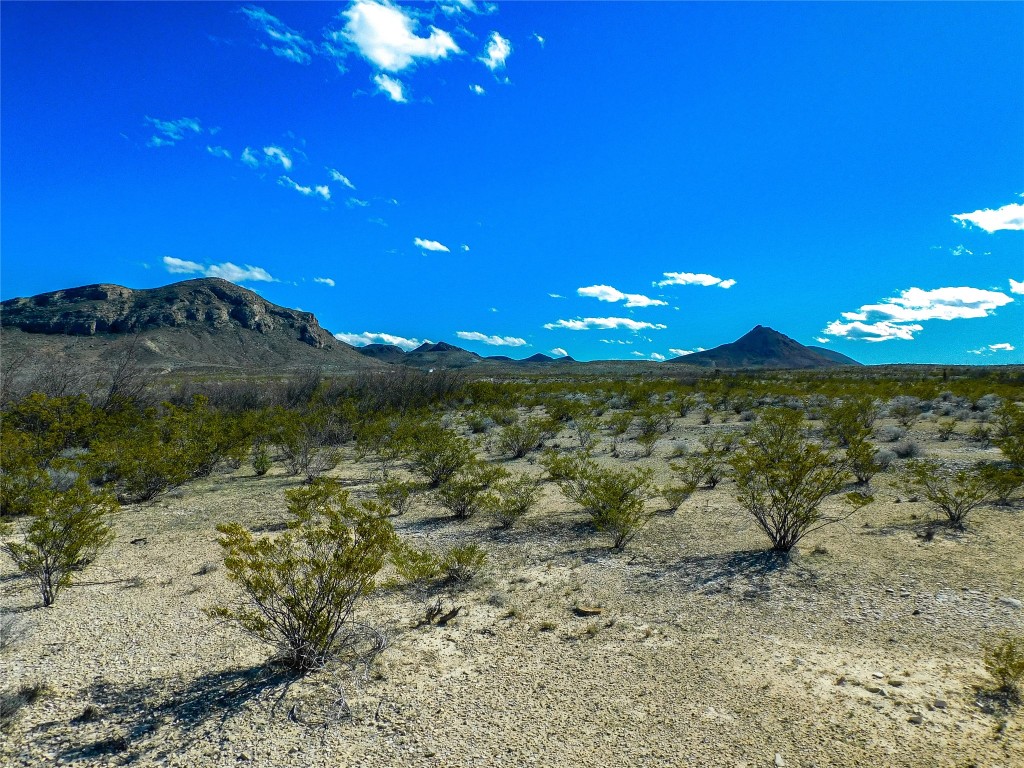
1004, 662
1009, 432
906, 449
511, 499
954, 493
397, 495
519, 438
1002, 480
436, 452
464, 493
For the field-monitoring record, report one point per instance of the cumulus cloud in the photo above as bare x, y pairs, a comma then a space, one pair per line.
682, 352
498, 49
430, 245
987, 350
249, 158
607, 293
822, 340
285, 42
324, 280
694, 278
656, 356
1009, 217
915, 304
1016, 286
494, 341
586, 323
390, 87
477, 89
226, 270
559, 352
341, 178
882, 330
385, 35
170, 132
219, 152
321, 191
961, 250
366, 337
278, 155
465, 248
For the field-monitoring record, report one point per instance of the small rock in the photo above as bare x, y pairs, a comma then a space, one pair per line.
875, 689
1012, 602
940, 704
779, 761
916, 719
877, 675
143, 540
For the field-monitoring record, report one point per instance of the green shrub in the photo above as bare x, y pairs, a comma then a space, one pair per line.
945, 429
1004, 662
676, 493
861, 456
67, 529
953, 493
300, 588
260, 459
464, 493
397, 495
1003, 481
426, 570
519, 438
849, 421
437, 453
616, 500
1009, 432
308, 441
511, 499
783, 478
462, 563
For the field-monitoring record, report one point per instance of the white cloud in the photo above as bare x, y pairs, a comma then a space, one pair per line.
1010, 217
607, 293
477, 89
391, 87
915, 304
681, 352
961, 250
285, 42
882, 330
385, 35
556, 296
694, 278
249, 158
170, 132
227, 270
364, 338
324, 280
219, 152
181, 267
340, 178
465, 248
430, 245
498, 49
822, 340
279, 155
559, 352
355, 202
539, 39
1016, 286
323, 190
637, 353
656, 356
1002, 347
494, 341
285, 181
586, 323
615, 341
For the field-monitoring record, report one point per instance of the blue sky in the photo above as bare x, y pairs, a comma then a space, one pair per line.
614, 180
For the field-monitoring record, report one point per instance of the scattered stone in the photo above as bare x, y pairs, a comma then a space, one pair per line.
140, 541
588, 610
916, 719
779, 761
940, 704
1012, 602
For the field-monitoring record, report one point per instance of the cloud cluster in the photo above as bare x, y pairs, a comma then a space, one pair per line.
609, 294
385, 35
586, 323
494, 341
1001, 347
324, 281
430, 245
693, 278
390, 87
366, 337
498, 49
170, 132
321, 190
226, 270
559, 352
1009, 217
285, 42
900, 317
1016, 286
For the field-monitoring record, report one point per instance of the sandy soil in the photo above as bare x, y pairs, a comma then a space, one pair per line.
864, 651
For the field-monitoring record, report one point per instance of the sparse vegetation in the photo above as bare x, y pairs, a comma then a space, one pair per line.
1004, 662
952, 493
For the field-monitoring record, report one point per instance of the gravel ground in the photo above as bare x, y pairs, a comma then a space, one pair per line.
864, 650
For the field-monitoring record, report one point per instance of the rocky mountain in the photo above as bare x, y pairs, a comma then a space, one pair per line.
765, 348
207, 322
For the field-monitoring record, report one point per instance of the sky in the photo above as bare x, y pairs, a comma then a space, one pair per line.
607, 180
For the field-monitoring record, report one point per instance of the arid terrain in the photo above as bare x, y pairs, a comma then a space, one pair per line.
699, 647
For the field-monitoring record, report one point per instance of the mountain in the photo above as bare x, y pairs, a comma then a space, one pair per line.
540, 357
386, 353
765, 348
202, 323
441, 355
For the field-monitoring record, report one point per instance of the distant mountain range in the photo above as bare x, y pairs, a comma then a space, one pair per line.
212, 324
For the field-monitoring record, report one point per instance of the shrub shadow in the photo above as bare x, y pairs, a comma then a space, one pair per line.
749, 573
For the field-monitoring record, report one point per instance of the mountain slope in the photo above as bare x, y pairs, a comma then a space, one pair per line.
200, 323
765, 348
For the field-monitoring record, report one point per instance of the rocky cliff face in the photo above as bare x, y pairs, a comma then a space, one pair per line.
209, 304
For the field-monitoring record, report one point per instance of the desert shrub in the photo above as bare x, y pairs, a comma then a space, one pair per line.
436, 452
684, 403
884, 459
567, 471
384, 438
308, 440
618, 424
1002, 480
519, 438
511, 499
889, 433
954, 493
783, 478
861, 459
849, 420
584, 427
1009, 432
614, 498
397, 495
301, 587
647, 441
906, 449
464, 493
260, 459
945, 429
676, 493
905, 410
463, 562
1004, 662
67, 528
981, 434
478, 422
13, 701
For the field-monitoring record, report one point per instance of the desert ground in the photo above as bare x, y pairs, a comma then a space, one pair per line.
698, 649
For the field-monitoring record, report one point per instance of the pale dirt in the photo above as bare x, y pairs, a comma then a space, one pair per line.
705, 653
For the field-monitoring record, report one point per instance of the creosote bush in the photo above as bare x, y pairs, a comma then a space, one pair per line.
510, 499
519, 438
300, 588
783, 478
954, 493
1004, 662
464, 493
436, 452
